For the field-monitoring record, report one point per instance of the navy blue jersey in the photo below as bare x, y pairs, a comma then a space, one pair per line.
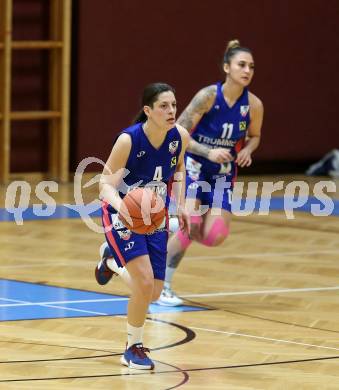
148, 165
221, 127
151, 167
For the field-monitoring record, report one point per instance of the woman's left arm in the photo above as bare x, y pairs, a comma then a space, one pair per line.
244, 158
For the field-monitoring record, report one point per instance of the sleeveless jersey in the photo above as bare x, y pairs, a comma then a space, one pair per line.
221, 127
148, 165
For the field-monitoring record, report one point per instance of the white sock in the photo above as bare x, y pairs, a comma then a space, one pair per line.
134, 335
169, 276
121, 271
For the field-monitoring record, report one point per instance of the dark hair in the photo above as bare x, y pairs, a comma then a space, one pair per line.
149, 96
233, 47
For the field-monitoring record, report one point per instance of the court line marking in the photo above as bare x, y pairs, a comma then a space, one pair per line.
25, 303
207, 295
277, 291
192, 327
264, 338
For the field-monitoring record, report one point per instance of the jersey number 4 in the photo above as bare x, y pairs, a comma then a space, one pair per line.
158, 173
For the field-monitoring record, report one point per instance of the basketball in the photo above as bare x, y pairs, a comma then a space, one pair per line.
146, 210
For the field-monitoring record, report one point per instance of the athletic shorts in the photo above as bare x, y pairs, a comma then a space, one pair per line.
213, 191
126, 245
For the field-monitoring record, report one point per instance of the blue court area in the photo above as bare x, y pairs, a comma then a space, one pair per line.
316, 206
30, 301
40, 212
26, 301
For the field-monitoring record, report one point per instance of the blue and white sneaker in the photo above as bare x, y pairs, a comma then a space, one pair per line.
135, 357
103, 274
169, 298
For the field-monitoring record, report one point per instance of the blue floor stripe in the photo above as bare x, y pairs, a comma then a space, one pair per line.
310, 204
57, 212
58, 302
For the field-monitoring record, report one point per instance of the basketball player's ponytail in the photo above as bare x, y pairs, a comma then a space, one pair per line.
233, 47
233, 44
140, 117
149, 96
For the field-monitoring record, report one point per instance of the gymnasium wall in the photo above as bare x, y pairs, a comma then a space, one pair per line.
123, 45
120, 46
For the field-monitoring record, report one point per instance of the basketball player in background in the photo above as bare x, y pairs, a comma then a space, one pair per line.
152, 150
225, 121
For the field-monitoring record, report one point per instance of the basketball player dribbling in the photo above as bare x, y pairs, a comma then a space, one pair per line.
152, 150
225, 122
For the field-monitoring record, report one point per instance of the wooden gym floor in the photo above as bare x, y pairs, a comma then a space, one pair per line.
271, 294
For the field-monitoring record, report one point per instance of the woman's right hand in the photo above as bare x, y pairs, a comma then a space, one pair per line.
220, 155
184, 220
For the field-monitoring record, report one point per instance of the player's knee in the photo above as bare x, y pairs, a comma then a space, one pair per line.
145, 286
217, 233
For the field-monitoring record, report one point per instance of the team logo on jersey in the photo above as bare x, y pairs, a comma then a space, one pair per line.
217, 107
244, 110
141, 153
173, 146
193, 168
173, 161
193, 186
129, 246
193, 175
124, 234
242, 126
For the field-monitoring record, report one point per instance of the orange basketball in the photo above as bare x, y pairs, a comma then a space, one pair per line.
146, 210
